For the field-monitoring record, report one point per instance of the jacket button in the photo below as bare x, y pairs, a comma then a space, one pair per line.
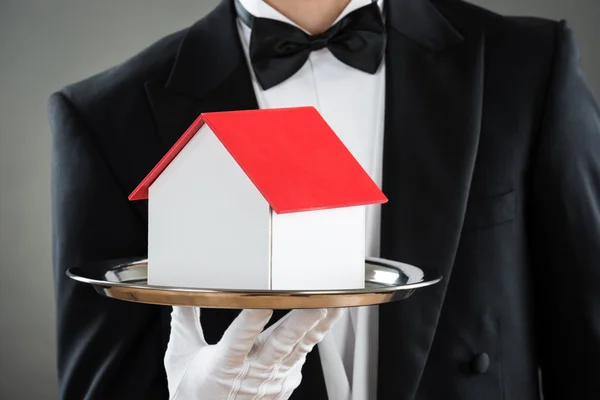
480, 364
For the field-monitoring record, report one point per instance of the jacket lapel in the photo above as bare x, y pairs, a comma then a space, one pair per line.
433, 118
209, 74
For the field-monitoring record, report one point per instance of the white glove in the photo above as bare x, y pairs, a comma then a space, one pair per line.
246, 364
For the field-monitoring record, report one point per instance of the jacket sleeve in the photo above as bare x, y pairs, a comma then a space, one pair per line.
107, 349
566, 231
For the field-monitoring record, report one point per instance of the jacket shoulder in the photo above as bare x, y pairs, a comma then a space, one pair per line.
521, 31
124, 83
112, 108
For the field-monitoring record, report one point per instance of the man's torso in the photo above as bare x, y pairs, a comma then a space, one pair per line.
461, 123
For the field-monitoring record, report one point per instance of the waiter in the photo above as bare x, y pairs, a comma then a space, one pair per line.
479, 128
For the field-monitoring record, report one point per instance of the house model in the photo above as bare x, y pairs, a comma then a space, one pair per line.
260, 199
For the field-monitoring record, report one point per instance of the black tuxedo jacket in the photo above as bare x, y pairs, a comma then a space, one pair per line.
491, 165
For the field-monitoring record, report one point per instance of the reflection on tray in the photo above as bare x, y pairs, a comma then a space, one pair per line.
381, 272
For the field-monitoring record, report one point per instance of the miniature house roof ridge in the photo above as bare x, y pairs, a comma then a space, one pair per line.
276, 163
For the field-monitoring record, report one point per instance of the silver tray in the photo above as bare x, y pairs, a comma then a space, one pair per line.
385, 281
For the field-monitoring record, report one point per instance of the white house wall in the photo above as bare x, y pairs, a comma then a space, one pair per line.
209, 226
316, 250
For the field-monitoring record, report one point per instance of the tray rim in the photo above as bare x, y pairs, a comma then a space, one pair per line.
72, 274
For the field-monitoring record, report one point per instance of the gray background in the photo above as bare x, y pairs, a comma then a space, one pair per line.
46, 44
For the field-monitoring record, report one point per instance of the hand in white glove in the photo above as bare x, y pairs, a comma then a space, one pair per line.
247, 364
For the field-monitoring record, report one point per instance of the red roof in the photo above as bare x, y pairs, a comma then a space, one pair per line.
291, 155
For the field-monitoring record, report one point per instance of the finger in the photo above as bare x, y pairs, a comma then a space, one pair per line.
186, 327
269, 331
239, 338
264, 335
314, 336
281, 341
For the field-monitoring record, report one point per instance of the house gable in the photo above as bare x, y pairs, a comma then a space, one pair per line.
208, 224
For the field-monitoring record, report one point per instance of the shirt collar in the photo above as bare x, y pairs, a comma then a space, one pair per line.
260, 9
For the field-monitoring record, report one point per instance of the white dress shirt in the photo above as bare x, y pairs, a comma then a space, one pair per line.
352, 103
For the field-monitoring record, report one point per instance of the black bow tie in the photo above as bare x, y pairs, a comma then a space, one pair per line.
278, 50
